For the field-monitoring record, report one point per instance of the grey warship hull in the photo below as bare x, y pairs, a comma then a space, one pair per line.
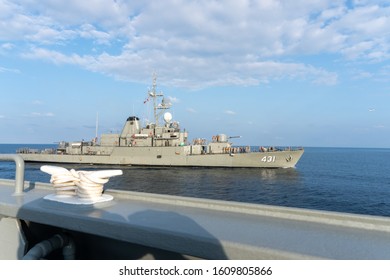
175, 156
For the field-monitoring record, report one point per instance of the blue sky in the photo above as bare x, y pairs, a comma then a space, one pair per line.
301, 73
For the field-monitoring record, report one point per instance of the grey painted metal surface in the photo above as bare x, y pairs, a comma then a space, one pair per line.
19, 173
172, 156
208, 228
13, 243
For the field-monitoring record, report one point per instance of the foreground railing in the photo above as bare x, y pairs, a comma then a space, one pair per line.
19, 173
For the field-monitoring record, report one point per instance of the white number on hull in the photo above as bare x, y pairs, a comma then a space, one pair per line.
268, 159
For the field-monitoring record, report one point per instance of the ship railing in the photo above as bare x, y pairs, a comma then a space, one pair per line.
27, 151
261, 149
36, 151
19, 172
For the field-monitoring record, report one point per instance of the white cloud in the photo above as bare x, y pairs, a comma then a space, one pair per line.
9, 70
359, 74
37, 102
88, 31
202, 43
37, 114
191, 110
73, 12
188, 72
229, 112
172, 99
7, 46
58, 57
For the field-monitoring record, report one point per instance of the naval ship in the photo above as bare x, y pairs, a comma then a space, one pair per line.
163, 143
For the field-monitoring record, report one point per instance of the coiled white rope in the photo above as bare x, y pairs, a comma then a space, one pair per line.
84, 184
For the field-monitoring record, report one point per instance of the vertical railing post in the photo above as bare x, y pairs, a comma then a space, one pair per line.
19, 173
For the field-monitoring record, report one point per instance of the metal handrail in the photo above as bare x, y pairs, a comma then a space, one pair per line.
19, 172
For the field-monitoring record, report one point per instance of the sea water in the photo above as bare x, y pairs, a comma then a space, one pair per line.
352, 180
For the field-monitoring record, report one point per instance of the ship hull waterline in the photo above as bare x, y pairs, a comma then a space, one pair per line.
174, 156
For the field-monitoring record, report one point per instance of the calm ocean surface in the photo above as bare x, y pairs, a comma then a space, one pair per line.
349, 180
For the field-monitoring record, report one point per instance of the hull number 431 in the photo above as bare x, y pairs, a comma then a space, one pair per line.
268, 159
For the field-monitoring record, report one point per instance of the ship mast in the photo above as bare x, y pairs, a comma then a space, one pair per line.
97, 125
162, 106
